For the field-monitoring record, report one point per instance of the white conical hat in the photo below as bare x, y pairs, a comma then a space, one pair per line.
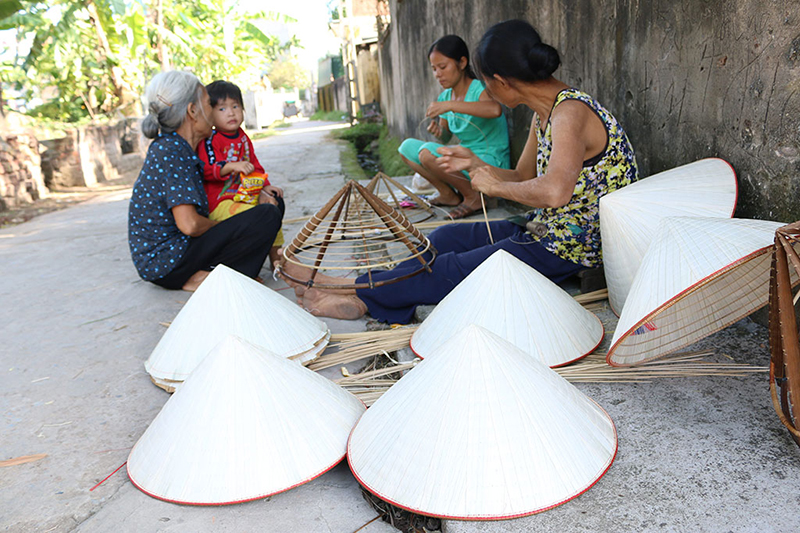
231, 303
481, 431
246, 424
514, 301
629, 216
171, 386
698, 276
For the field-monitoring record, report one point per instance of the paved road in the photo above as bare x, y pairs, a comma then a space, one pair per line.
76, 324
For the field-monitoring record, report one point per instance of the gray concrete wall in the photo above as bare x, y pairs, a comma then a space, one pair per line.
687, 79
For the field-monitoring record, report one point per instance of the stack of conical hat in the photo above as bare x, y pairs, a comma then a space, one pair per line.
231, 303
629, 216
481, 431
246, 424
514, 301
698, 276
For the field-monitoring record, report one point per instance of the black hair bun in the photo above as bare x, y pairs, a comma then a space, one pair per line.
543, 60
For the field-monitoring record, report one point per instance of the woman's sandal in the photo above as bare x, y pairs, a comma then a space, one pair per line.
462, 210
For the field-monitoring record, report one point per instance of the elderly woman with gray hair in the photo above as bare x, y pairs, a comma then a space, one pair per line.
173, 243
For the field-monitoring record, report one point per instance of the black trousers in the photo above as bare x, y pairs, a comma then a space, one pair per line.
241, 242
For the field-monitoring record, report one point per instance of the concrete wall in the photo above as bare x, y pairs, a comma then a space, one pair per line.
368, 74
262, 108
687, 79
90, 155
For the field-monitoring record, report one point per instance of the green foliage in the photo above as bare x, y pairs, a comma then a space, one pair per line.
361, 135
288, 74
86, 58
329, 116
389, 158
351, 168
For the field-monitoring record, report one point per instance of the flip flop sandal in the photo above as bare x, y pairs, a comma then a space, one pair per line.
462, 210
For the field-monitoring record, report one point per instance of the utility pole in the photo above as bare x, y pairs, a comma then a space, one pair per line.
349, 57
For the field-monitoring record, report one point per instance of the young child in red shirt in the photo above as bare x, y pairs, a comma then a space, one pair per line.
233, 179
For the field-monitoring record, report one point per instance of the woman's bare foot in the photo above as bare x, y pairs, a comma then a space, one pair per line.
445, 200
275, 255
299, 292
194, 282
303, 273
342, 306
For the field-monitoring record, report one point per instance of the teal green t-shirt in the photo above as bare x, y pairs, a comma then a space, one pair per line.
486, 137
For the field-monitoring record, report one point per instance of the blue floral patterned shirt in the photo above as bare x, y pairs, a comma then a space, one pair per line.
172, 175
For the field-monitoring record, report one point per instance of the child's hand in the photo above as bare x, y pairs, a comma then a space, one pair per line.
273, 190
244, 167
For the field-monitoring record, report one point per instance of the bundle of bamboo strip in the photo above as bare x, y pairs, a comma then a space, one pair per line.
369, 386
349, 347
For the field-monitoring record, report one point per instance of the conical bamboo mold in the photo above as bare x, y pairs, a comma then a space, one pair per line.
698, 276
784, 368
392, 192
514, 301
231, 303
354, 231
629, 216
246, 424
481, 431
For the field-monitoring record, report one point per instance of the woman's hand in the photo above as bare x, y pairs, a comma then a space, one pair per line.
457, 158
273, 190
435, 129
484, 180
437, 108
266, 197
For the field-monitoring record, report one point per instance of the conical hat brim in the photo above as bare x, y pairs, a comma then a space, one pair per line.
699, 276
246, 424
481, 432
171, 386
231, 303
514, 301
629, 216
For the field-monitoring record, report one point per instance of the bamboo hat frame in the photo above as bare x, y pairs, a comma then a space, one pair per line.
481, 431
784, 368
245, 425
629, 216
517, 303
384, 187
699, 275
356, 230
231, 303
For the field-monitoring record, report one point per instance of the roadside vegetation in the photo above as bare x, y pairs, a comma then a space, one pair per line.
373, 149
329, 116
106, 52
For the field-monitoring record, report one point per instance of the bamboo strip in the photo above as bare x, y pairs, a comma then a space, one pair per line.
369, 386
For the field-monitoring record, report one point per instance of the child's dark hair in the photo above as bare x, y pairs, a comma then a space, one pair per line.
220, 90
455, 48
513, 49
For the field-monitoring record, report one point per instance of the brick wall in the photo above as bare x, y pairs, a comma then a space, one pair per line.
20, 170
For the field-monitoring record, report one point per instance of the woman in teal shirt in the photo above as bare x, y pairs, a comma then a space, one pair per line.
463, 110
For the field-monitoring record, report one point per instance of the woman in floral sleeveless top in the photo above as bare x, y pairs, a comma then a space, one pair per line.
576, 153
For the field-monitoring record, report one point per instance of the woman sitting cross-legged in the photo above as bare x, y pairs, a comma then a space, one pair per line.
463, 110
576, 152
172, 241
